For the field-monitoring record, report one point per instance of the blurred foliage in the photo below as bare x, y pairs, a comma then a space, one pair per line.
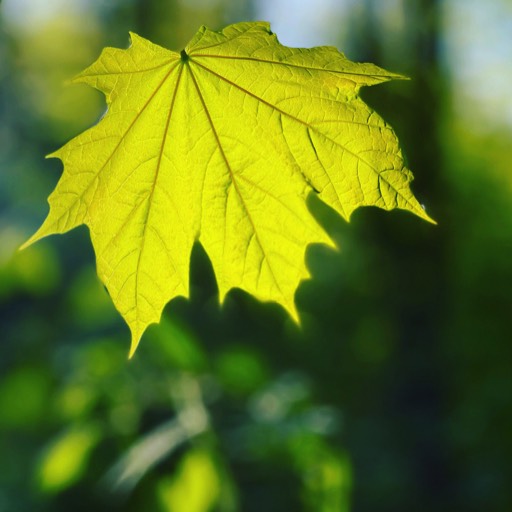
393, 395
64, 462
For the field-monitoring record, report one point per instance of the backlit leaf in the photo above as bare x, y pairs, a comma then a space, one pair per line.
221, 143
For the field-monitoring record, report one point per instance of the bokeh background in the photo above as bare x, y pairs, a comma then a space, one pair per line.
396, 393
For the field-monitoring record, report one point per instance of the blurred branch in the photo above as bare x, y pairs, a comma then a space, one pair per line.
191, 420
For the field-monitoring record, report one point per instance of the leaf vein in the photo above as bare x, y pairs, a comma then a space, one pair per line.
232, 176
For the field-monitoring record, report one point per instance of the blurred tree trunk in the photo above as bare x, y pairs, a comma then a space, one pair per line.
415, 253
173, 23
424, 321
158, 21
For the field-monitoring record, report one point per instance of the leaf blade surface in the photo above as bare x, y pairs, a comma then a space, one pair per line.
221, 144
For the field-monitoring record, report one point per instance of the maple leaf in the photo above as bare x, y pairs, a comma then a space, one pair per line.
221, 143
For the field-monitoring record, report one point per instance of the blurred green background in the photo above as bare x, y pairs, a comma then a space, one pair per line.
396, 393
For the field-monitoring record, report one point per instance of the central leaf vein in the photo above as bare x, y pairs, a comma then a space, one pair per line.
233, 180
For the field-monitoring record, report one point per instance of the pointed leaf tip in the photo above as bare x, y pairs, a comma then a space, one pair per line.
136, 336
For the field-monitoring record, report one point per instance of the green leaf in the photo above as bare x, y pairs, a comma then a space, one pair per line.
221, 143
65, 460
196, 487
